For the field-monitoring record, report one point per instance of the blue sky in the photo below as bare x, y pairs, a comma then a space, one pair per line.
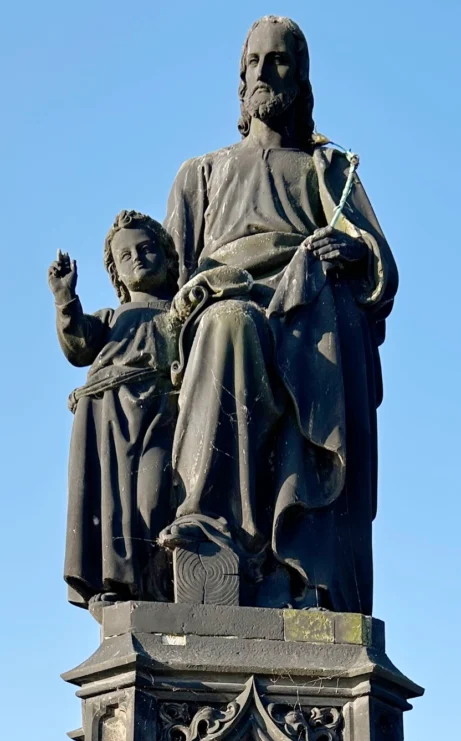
101, 103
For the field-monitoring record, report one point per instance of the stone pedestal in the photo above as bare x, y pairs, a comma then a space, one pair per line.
179, 672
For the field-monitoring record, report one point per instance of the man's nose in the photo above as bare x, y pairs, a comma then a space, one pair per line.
261, 70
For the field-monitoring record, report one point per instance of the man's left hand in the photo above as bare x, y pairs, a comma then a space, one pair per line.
331, 245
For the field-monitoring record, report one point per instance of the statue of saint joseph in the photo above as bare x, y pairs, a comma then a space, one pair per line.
275, 445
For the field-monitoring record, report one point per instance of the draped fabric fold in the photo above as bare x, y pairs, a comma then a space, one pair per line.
120, 456
277, 415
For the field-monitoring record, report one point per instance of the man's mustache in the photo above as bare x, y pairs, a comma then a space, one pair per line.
261, 87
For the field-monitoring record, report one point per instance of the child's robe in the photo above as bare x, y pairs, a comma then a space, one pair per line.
120, 454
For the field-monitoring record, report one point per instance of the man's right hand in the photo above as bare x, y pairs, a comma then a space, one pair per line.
62, 278
335, 247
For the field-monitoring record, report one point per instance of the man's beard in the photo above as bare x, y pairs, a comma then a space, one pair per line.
273, 106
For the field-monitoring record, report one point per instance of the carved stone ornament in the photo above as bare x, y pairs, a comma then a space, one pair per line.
312, 724
247, 717
108, 722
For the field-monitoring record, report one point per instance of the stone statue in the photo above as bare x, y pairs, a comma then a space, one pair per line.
274, 452
223, 453
120, 457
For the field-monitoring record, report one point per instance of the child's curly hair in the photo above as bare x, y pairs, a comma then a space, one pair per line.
135, 220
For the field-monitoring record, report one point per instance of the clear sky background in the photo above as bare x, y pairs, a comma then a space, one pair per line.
102, 101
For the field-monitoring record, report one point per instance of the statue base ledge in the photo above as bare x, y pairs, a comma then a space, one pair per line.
164, 659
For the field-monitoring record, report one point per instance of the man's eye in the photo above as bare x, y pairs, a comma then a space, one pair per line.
252, 62
146, 248
125, 256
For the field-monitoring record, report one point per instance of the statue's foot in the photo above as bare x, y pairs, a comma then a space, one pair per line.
110, 597
194, 528
99, 601
176, 536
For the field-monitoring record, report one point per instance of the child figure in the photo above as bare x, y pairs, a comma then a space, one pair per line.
120, 454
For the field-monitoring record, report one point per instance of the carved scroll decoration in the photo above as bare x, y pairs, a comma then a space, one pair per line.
314, 724
247, 718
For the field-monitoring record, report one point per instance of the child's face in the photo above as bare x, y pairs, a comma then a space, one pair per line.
141, 264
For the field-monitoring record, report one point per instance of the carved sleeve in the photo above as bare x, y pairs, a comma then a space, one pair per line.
80, 335
185, 219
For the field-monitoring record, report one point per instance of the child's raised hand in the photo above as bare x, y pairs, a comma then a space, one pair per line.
62, 278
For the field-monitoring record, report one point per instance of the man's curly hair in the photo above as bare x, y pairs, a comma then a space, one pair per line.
136, 220
305, 99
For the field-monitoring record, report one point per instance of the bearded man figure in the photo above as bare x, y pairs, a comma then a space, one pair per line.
275, 444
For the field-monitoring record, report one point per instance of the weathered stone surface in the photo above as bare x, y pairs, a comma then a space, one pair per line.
138, 635
267, 378
124, 715
314, 626
116, 441
240, 445
352, 628
183, 619
77, 735
197, 682
359, 629
369, 719
245, 622
257, 503
206, 574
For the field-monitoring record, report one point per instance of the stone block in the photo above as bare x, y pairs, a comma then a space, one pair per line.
205, 573
124, 715
200, 620
160, 677
310, 625
353, 628
370, 719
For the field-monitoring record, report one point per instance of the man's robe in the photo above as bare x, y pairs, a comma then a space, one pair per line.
277, 425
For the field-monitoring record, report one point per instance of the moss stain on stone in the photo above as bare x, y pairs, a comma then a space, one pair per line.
314, 627
350, 628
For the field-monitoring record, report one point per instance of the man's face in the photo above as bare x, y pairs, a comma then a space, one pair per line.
270, 71
140, 263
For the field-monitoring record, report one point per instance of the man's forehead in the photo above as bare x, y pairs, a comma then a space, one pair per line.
270, 37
